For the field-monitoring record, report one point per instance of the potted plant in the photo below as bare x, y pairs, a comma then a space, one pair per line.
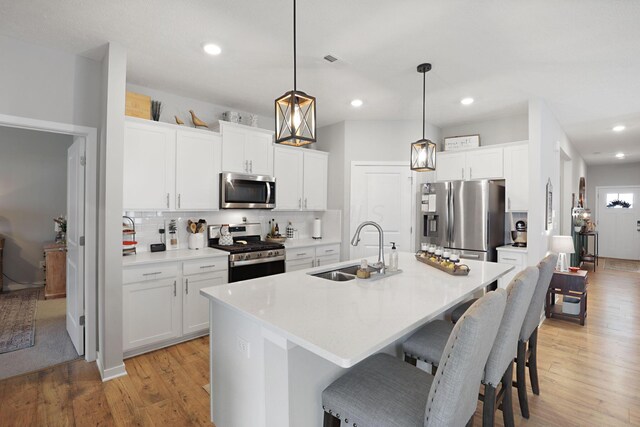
578, 223
173, 228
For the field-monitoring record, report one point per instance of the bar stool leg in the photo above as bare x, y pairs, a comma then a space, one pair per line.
533, 362
507, 398
489, 406
330, 421
521, 378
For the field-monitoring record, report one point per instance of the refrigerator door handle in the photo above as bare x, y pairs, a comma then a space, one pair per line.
451, 218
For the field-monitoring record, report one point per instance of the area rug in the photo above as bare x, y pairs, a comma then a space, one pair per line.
18, 319
622, 265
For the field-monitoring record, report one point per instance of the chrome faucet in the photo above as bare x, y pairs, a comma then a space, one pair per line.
356, 238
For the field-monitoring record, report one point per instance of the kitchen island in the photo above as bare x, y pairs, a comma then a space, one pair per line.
278, 341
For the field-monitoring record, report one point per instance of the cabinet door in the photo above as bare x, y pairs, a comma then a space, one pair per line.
198, 167
516, 176
519, 261
326, 260
484, 164
300, 264
450, 166
148, 168
315, 181
233, 142
287, 167
258, 151
195, 312
151, 312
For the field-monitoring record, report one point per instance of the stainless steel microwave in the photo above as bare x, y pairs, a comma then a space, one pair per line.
238, 191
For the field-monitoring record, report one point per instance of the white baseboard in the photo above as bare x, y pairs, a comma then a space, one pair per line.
111, 373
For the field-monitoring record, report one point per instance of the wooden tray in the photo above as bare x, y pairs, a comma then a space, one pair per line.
455, 272
275, 239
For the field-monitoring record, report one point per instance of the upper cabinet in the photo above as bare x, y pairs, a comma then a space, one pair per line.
167, 167
516, 176
246, 149
301, 179
483, 163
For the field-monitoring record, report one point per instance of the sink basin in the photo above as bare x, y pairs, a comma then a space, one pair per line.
335, 275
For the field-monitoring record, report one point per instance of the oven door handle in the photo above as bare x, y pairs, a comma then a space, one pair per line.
268, 193
256, 261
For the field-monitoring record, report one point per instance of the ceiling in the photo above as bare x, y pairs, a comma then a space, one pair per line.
581, 56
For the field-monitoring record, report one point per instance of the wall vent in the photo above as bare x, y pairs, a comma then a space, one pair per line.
331, 58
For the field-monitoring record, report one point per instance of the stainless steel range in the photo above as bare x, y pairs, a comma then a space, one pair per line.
249, 256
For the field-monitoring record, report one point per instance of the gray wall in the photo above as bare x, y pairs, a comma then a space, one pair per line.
496, 131
33, 179
613, 174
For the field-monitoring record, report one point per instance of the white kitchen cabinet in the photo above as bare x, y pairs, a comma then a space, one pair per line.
483, 163
151, 312
516, 176
300, 258
246, 149
515, 257
195, 310
301, 179
148, 166
300, 264
198, 167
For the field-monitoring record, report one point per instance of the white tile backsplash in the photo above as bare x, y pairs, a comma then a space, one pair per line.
148, 223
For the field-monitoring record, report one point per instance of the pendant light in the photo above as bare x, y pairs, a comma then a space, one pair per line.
295, 110
423, 151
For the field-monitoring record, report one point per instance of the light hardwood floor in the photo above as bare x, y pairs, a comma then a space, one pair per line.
589, 376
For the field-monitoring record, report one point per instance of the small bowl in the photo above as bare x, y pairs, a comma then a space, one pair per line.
574, 269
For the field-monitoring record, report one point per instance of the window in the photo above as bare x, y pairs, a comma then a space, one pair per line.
619, 200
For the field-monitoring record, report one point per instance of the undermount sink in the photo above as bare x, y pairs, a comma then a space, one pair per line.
342, 274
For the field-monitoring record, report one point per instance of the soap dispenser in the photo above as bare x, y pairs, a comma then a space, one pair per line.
393, 262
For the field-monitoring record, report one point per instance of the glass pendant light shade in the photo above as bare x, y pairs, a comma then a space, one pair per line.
295, 119
423, 151
423, 155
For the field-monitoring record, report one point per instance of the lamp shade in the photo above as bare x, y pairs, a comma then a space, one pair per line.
562, 245
295, 119
423, 156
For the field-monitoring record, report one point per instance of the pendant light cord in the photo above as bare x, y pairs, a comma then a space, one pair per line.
424, 96
294, 47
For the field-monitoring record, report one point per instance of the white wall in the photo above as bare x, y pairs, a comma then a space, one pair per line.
175, 105
366, 140
496, 131
613, 174
46, 84
33, 180
546, 141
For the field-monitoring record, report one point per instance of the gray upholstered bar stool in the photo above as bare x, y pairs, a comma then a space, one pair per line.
528, 341
428, 345
382, 390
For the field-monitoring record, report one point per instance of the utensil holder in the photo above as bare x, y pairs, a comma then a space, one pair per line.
196, 241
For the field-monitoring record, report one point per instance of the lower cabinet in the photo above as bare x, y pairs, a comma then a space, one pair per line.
162, 301
517, 259
308, 257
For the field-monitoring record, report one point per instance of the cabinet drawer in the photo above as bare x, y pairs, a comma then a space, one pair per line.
300, 253
511, 258
142, 273
205, 265
299, 264
328, 250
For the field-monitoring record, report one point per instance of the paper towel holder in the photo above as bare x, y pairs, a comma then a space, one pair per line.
317, 229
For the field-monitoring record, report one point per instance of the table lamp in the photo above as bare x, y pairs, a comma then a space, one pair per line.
562, 245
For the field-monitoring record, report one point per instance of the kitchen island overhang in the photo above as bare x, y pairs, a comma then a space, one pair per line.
278, 341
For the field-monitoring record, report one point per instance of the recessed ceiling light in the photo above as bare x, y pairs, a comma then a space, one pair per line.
466, 101
620, 155
618, 128
212, 49
357, 103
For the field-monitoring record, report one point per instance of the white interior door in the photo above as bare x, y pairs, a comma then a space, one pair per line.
381, 193
619, 227
75, 242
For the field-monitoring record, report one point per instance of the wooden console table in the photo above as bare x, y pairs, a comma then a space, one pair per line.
569, 284
55, 258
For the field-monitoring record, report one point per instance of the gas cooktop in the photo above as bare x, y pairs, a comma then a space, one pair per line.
246, 238
253, 246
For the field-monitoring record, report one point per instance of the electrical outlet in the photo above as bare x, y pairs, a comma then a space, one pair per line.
42, 265
244, 346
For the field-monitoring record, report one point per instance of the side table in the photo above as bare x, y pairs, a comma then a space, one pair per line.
570, 284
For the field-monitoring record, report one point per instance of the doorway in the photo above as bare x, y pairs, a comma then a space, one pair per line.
618, 221
76, 194
382, 192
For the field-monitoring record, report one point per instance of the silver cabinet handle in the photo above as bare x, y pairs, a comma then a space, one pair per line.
251, 166
509, 259
469, 256
509, 202
167, 200
152, 274
301, 254
174, 289
318, 262
305, 203
179, 197
208, 266
246, 165
300, 203
326, 251
470, 173
186, 286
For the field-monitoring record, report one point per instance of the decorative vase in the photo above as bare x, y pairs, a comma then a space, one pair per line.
196, 241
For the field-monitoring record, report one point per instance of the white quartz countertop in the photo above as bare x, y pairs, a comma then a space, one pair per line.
173, 255
510, 248
345, 322
303, 243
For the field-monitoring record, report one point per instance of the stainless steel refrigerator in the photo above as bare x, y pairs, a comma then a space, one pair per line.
464, 215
